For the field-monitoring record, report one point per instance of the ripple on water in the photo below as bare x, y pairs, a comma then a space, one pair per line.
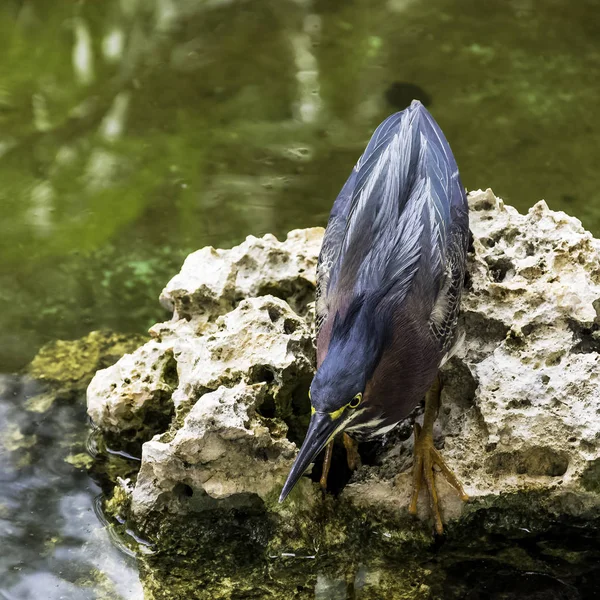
53, 545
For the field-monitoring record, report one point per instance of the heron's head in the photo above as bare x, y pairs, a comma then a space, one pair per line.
337, 395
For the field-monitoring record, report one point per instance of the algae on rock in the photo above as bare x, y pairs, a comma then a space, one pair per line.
66, 367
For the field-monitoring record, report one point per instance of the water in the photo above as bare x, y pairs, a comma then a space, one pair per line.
53, 545
135, 131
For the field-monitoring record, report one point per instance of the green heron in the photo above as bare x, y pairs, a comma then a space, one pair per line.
389, 282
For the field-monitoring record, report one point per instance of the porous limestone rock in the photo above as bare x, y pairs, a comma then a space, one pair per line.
520, 417
218, 335
262, 339
521, 403
212, 459
213, 281
133, 397
231, 388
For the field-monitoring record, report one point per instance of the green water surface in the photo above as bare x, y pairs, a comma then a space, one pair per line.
135, 131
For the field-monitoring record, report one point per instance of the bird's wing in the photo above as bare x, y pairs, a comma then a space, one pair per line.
400, 206
444, 316
334, 234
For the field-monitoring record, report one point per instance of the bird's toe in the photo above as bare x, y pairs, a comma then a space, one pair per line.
426, 458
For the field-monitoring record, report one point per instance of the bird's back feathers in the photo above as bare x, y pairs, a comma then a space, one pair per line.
402, 211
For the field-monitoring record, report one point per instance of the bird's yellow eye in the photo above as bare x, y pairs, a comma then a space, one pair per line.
355, 401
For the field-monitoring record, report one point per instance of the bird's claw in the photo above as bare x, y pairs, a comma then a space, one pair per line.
352, 455
426, 457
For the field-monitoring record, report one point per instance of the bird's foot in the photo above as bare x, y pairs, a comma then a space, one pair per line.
426, 457
352, 455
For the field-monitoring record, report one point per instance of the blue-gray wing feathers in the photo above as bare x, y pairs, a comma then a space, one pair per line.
403, 209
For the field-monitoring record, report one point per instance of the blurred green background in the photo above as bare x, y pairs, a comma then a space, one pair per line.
135, 131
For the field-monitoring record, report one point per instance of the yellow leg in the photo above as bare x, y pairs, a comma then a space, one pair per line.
426, 456
326, 465
352, 454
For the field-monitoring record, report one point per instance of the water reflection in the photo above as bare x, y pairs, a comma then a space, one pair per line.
53, 546
134, 132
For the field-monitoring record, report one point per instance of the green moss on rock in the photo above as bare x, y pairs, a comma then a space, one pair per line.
117, 506
67, 366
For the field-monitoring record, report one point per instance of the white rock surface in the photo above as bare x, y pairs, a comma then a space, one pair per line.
259, 356
121, 396
213, 341
213, 281
260, 340
223, 453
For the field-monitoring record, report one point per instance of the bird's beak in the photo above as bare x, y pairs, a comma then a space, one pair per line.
320, 430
